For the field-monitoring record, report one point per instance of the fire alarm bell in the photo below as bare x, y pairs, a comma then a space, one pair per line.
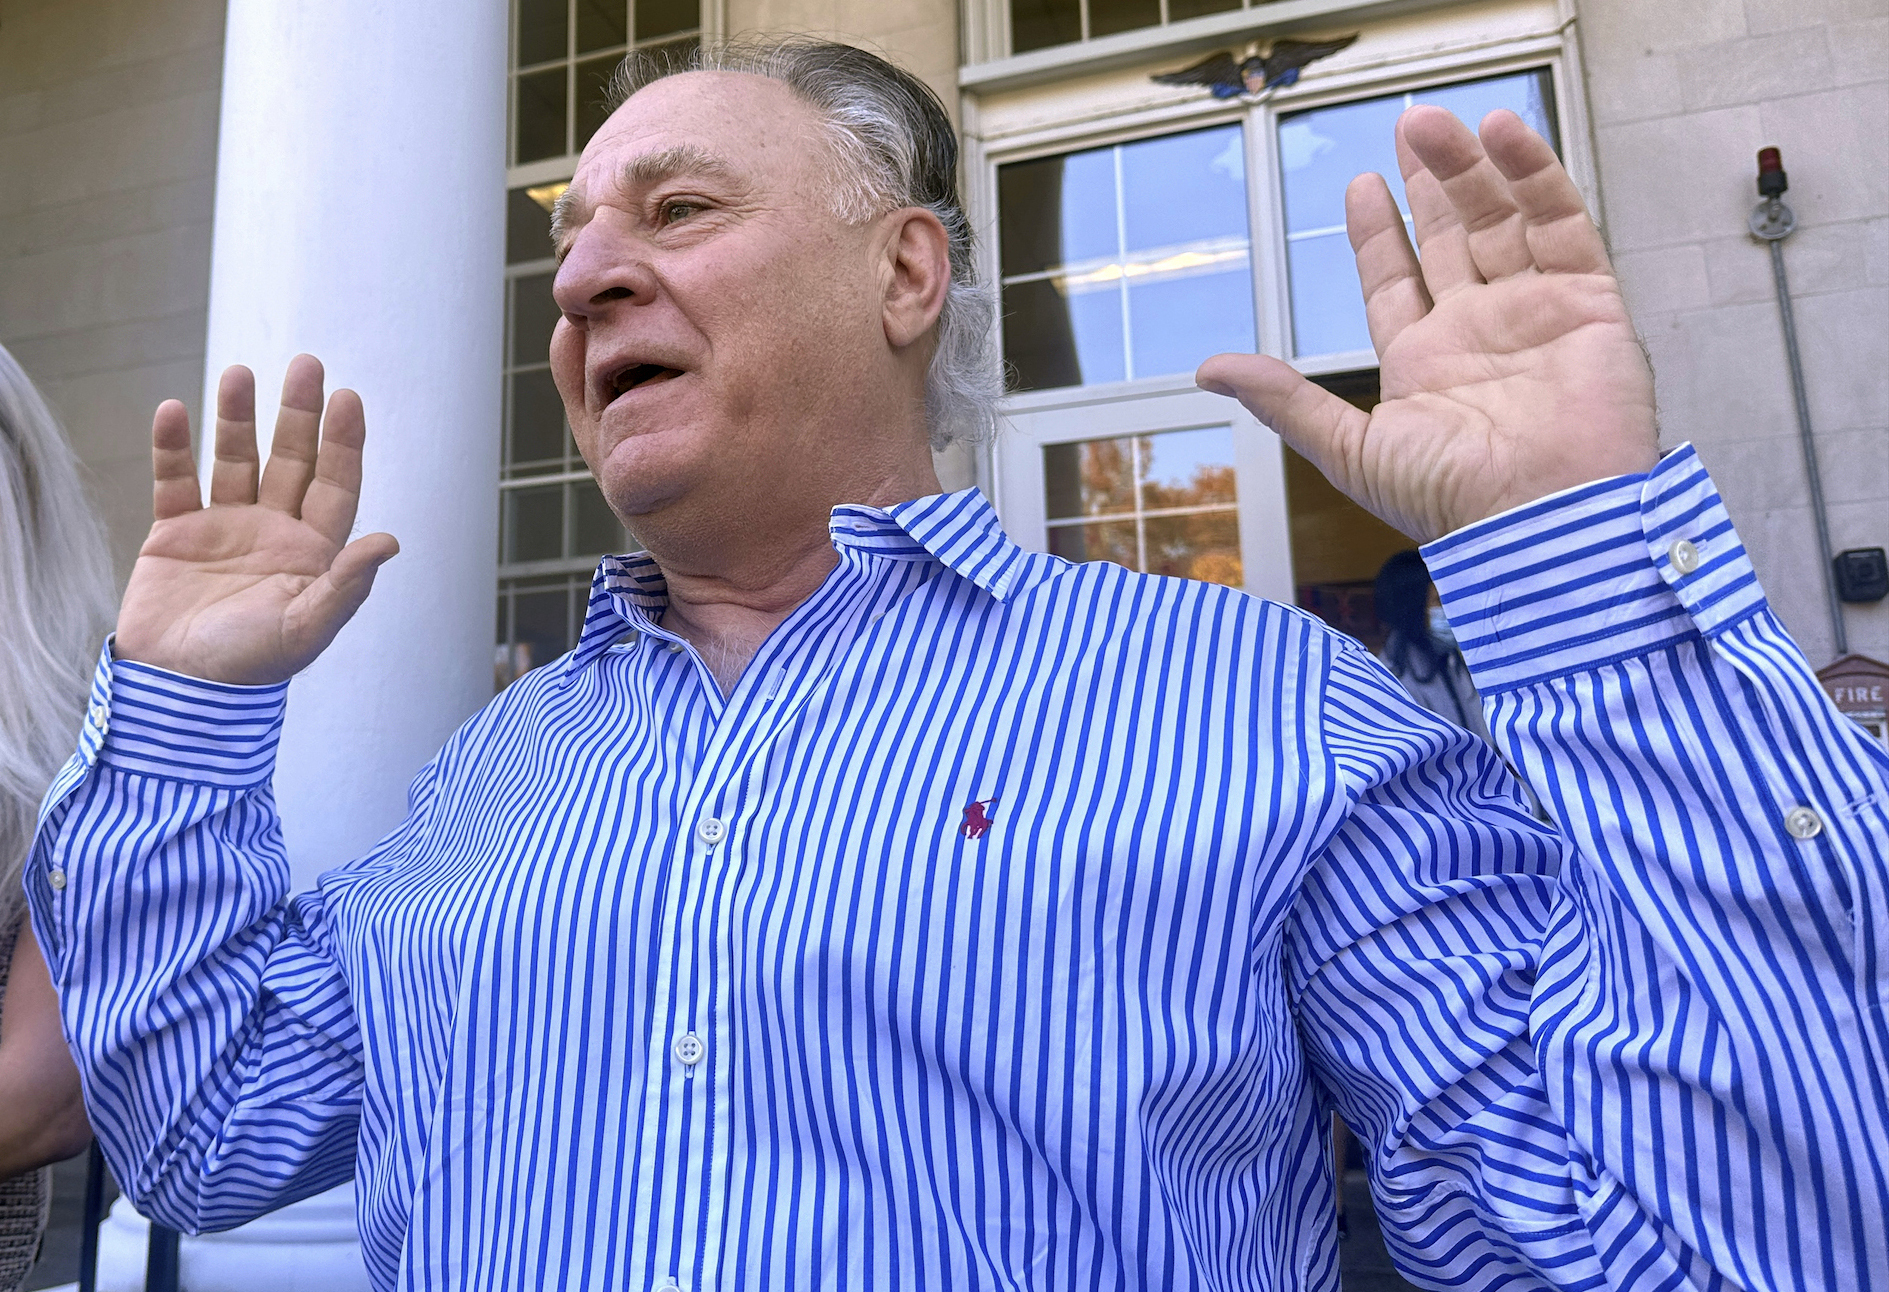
1862, 574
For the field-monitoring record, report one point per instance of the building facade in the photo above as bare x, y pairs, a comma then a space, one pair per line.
185, 183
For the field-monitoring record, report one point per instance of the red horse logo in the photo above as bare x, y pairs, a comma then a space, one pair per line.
976, 819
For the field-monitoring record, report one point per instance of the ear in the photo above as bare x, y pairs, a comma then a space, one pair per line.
917, 274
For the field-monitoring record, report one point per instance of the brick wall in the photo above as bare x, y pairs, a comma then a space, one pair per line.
108, 122
1683, 94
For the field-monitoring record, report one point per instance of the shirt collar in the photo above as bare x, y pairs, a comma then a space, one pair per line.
958, 530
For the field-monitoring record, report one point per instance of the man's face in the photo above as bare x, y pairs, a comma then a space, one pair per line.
718, 319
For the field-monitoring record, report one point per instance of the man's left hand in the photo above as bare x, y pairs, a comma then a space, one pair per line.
1508, 366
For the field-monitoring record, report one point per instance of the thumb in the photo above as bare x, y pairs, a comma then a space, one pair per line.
331, 600
1323, 428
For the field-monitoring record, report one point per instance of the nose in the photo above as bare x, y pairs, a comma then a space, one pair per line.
604, 269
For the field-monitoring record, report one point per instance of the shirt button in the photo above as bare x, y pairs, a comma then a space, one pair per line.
689, 1049
1684, 555
1803, 823
57, 878
710, 830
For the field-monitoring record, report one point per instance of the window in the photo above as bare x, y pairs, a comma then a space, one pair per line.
553, 521
563, 53
1163, 503
1125, 262
1036, 24
1322, 148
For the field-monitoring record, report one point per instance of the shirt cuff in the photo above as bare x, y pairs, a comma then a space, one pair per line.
1606, 571
154, 722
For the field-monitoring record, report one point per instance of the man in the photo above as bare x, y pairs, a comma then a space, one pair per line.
869, 903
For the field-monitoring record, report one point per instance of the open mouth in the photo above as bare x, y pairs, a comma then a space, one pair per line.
633, 376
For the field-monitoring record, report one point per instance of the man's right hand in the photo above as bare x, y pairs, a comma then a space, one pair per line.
253, 587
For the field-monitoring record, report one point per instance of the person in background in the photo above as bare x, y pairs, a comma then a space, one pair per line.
56, 597
1421, 650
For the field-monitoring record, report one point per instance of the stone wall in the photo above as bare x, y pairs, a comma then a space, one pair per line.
1683, 94
108, 120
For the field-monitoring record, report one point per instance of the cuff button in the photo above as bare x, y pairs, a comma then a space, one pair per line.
1802, 823
1684, 555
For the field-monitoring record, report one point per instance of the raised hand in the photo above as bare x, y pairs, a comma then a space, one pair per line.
1508, 367
251, 588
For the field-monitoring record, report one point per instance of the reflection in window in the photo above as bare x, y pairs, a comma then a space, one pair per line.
1124, 262
1320, 150
563, 53
1163, 503
1035, 24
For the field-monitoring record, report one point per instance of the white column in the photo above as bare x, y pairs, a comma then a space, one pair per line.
359, 217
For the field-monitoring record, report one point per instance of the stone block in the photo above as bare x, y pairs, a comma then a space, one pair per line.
1632, 85
107, 415
1876, 250
132, 148
1763, 16
1859, 51
93, 92
1664, 280
1836, 150
149, 275
1747, 71
1622, 25
1817, 258
1844, 338
1730, 380
1678, 179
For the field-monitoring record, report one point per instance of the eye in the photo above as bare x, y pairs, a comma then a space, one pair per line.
674, 211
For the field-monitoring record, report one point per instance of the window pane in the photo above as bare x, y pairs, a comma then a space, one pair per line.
534, 524
1327, 299
656, 18
1089, 478
1187, 468
1035, 24
541, 625
1205, 547
597, 529
600, 25
1108, 541
1184, 188
527, 228
534, 315
1107, 17
1057, 211
1181, 318
538, 437
541, 115
541, 28
1322, 150
1055, 339
593, 78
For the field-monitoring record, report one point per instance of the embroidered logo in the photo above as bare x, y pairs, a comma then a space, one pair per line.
976, 819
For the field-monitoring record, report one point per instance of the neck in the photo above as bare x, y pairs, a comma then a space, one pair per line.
730, 587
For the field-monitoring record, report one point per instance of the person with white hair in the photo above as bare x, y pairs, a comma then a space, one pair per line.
867, 902
55, 600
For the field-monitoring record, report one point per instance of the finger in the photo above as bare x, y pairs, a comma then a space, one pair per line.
331, 499
330, 601
233, 473
173, 466
1323, 428
1561, 235
1498, 238
1442, 242
292, 453
1394, 295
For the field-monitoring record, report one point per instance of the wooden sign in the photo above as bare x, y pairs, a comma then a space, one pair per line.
1859, 686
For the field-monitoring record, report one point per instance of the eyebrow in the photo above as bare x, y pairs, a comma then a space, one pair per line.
638, 172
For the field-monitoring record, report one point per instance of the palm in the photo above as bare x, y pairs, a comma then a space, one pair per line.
252, 588
1509, 368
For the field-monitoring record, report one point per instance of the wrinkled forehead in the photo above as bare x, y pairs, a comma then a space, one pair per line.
736, 124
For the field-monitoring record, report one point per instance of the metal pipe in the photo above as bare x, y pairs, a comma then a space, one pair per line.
1772, 221
94, 1214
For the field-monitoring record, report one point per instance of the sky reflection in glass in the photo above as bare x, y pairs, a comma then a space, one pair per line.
1127, 261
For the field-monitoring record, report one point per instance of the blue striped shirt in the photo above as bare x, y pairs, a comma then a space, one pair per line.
1019, 924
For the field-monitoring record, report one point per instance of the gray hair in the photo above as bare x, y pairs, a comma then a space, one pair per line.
895, 148
56, 601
